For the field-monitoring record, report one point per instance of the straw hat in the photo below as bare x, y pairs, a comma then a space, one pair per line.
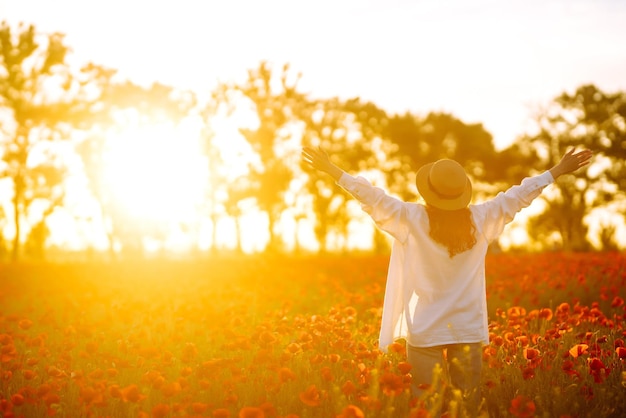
444, 185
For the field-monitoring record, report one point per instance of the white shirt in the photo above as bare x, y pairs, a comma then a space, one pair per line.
430, 298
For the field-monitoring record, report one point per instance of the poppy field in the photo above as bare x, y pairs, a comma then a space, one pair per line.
296, 337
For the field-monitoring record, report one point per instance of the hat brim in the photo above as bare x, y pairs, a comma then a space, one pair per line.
432, 198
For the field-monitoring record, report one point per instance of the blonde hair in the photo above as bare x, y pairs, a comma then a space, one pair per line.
454, 229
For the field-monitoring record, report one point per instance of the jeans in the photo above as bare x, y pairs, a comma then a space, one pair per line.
456, 365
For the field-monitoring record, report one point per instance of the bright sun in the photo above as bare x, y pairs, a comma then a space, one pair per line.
156, 172
157, 175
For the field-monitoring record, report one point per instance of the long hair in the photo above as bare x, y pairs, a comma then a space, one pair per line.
454, 229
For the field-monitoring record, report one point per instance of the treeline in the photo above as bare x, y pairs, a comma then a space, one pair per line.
48, 105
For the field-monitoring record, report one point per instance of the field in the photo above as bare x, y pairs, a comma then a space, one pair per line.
296, 337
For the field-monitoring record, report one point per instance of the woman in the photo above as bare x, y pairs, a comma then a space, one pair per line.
435, 294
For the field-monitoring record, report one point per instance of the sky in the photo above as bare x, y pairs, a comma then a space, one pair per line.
488, 61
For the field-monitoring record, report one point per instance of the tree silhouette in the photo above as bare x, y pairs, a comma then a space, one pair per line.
418, 141
42, 99
334, 125
227, 194
277, 105
592, 119
4, 248
217, 180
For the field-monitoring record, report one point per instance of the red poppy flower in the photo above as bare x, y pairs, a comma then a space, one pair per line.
43, 389
51, 398
351, 411
522, 340
29, 374
498, 341
311, 396
334, 358
530, 353
404, 367
348, 388
221, 413
545, 313
115, 392
171, 389
522, 407
268, 409
25, 324
161, 410
420, 412
528, 373
327, 374
293, 348
396, 348
578, 350
91, 396
251, 412
55, 372
596, 364
617, 302
516, 312
18, 399
285, 374
563, 308
267, 338
509, 337
132, 394
391, 384
597, 369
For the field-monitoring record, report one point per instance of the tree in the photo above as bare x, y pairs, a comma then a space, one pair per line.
41, 99
35, 244
328, 126
217, 180
592, 119
228, 191
418, 141
277, 106
4, 248
348, 131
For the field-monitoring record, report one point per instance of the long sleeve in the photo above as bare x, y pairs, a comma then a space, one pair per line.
387, 212
497, 212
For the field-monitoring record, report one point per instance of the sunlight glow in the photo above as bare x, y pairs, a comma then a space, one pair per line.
160, 174
156, 172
